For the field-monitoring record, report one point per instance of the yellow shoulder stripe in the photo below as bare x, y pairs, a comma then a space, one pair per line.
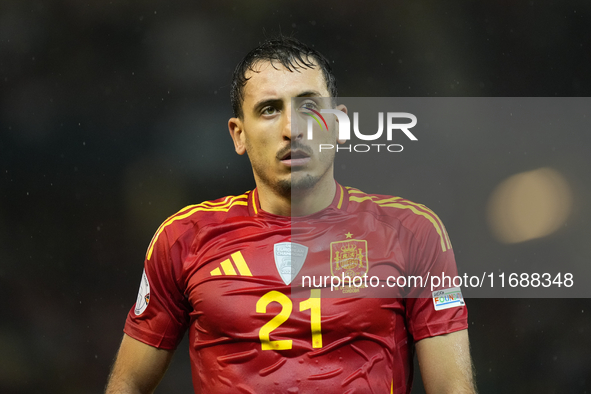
354, 191
361, 199
223, 206
435, 217
440, 231
395, 202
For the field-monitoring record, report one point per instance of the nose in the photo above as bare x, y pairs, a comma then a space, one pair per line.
291, 129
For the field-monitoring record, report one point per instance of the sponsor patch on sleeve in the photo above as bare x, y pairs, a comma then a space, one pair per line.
143, 296
448, 298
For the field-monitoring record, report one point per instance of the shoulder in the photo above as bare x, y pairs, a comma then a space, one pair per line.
210, 211
192, 217
417, 218
400, 208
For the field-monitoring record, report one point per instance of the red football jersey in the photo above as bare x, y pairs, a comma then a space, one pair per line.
222, 269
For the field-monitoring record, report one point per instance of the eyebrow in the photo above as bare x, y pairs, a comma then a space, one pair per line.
263, 103
310, 93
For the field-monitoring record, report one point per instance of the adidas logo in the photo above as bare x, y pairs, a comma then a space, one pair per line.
228, 267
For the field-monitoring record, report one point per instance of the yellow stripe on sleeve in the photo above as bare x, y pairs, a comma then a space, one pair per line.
216, 272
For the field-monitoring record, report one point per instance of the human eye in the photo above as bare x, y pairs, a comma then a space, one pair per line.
269, 110
309, 104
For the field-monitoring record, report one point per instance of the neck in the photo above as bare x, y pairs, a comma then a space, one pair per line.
299, 202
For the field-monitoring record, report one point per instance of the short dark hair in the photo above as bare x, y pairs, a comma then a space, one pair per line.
288, 51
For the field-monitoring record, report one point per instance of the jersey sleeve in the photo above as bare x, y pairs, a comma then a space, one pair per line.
431, 255
160, 315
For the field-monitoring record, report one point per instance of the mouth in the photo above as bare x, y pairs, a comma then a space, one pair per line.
295, 158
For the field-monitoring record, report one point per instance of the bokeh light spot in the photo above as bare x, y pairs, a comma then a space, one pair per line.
529, 205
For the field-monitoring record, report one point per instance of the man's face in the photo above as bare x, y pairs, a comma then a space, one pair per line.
281, 155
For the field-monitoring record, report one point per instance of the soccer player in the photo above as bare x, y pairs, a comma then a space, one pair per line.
223, 269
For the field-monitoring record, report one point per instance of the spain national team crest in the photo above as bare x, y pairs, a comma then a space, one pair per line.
349, 258
289, 259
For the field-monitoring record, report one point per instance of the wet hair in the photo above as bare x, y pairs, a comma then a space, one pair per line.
291, 53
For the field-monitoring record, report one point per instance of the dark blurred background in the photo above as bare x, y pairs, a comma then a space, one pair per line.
113, 117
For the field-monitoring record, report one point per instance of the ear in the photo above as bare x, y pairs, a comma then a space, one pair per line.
341, 107
237, 133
